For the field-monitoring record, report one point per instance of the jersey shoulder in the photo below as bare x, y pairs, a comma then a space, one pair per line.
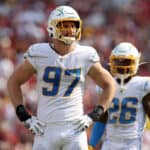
38, 50
142, 82
141, 79
85, 49
88, 52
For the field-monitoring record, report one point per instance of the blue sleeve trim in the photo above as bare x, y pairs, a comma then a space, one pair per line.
96, 133
145, 86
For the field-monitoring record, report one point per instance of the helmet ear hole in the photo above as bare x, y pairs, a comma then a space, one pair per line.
50, 31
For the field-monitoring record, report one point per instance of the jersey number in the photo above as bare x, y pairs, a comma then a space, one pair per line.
123, 112
52, 75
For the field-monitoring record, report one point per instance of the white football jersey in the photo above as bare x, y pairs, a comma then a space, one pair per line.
126, 113
60, 80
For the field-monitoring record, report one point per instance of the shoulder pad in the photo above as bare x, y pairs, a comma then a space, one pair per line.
91, 52
37, 50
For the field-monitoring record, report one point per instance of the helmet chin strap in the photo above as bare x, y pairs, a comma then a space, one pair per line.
122, 79
122, 85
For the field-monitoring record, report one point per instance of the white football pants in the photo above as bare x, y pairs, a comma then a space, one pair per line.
60, 137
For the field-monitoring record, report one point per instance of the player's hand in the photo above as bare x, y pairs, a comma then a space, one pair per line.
90, 147
34, 125
83, 123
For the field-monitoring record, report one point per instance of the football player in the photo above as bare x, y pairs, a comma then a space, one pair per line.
131, 103
61, 67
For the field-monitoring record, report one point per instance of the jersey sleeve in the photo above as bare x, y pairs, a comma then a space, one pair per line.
93, 57
34, 55
30, 56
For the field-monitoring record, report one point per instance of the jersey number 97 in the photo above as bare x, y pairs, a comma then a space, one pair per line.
52, 75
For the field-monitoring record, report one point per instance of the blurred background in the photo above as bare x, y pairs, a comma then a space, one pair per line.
105, 23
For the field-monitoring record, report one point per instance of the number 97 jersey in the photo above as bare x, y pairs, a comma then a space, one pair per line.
60, 80
126, 113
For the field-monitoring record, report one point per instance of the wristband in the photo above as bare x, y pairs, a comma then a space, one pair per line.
97, 113
22, 114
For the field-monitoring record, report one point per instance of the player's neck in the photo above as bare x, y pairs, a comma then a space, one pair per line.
62, 48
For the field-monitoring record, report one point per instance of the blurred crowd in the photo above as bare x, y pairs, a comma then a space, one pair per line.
24, 22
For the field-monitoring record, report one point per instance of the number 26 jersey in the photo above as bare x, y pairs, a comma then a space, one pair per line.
126, 113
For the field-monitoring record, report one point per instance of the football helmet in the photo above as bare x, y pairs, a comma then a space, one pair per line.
55, 24
124, 60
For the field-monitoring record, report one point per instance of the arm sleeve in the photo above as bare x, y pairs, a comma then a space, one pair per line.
97, 132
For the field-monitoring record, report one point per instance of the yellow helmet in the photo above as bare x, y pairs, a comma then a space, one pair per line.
124, 60
57, 17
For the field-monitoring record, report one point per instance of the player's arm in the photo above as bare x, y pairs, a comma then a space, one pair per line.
20, 76
103, 79
146, 104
